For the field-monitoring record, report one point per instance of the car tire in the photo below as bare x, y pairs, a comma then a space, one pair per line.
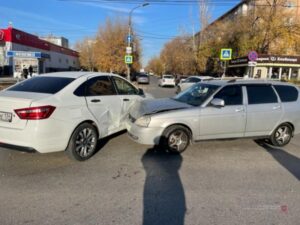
176, 139
282, 135
83, 142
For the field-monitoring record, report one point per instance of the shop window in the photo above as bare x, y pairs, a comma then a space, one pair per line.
285, 74
275, 73
258, 74
294, 75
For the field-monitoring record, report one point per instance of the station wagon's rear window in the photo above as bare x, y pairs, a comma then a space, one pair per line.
45, 85
261, 94
287, 93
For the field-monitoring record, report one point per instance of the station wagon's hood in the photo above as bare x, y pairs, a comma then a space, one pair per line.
152, 106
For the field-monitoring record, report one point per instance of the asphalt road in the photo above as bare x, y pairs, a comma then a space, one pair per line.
213, 182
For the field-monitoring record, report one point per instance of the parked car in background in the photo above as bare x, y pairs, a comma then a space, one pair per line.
167, 80
180, 79
143, 79
65, 111
218, 110
190, 81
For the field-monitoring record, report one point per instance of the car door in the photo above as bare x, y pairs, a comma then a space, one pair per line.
127, 95
264, 110
224, 122
103, 103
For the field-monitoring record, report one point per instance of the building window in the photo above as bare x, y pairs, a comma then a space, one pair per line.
294, 75
67, 61
59, 60
285, 73
258, 73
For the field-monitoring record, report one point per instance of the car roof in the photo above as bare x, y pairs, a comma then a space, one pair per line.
76, 74
223, 82
200, 77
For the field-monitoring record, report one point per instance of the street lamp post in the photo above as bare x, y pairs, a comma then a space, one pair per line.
130, 32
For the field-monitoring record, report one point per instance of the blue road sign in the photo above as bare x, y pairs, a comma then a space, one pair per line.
128, 59
226, 54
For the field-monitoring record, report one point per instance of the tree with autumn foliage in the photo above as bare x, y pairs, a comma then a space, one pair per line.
268, 27
87, 54
109, 48
155, 66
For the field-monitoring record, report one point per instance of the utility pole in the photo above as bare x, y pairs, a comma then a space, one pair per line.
129, 37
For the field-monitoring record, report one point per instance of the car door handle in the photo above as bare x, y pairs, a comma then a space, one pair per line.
276, 107
239, 110
95, 100
126, 100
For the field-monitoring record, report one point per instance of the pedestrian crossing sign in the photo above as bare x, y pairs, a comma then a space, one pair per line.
128, 59
226, 54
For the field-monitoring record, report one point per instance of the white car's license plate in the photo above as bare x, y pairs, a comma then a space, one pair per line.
5, 116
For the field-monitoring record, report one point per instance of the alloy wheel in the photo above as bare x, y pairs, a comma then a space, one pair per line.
178, 140
283, 135
85, 143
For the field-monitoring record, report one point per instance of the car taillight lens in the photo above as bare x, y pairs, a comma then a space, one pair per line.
35, 113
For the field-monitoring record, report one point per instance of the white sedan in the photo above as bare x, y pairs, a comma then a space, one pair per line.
167, 80
190, 81
65, 111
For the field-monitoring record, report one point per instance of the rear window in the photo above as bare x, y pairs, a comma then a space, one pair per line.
45, 85
287, 93
261, 94
169, 77
143, 75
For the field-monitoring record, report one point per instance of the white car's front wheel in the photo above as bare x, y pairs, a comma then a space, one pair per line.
83, 142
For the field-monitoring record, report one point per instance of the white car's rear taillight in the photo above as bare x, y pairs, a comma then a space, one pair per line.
35, 113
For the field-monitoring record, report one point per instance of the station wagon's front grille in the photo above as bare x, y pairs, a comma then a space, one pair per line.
131, 118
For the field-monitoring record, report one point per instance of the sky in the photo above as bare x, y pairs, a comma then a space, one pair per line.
155, 24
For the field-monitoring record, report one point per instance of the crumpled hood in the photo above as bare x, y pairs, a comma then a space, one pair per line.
152, 106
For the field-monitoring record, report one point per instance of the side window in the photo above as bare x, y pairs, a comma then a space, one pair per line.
232, 95
124, 88
80, 91
187, 80
101, 85
261, 94
287, 93
194, 80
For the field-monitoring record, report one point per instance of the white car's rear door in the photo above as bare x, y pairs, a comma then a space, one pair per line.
104, 104
127, 94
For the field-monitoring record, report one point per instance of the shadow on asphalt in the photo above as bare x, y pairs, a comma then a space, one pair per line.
104, 141
287, 160
164, 199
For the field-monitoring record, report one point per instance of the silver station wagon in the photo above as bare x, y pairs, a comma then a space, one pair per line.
218, 109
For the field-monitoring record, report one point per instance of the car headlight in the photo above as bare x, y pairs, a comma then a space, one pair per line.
143, 121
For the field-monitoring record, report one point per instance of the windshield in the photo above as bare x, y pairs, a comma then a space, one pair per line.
45, 85
197, 94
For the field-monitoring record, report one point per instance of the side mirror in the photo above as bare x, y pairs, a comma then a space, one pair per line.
217, 102
141, 92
